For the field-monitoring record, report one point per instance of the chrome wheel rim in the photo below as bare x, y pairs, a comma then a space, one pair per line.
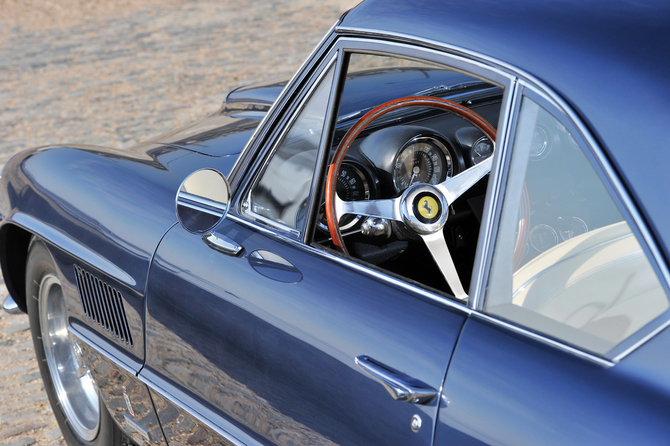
71, 378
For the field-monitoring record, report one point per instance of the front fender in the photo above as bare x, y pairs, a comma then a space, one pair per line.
101, 210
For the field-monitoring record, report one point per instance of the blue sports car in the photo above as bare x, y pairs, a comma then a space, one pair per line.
449, 227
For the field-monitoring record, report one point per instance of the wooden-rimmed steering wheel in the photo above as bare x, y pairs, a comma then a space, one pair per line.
412, 206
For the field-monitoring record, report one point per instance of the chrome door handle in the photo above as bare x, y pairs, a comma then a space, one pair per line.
400, 386
222, 244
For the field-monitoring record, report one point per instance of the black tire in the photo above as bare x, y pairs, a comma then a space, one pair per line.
39, 265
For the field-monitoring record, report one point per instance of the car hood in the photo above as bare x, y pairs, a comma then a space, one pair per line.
217, 135
226, 132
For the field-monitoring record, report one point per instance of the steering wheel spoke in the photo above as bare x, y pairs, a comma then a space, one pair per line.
423, 208
386, 209
456, 186
440, 251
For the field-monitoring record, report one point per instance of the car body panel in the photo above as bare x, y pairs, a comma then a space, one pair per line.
242, 351
221, 134
272, 360
504, 388
592, 54
183, 427
108, 213
126, 398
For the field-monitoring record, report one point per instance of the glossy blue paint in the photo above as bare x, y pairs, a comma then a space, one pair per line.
256, 96
267, 352
106, 208
274, 267
127, 399
605, 58
131, 356
271, 356
504, 388
218, 135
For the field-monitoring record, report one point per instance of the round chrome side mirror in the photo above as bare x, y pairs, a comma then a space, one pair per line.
202, 201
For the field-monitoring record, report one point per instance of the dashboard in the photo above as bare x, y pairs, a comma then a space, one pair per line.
386, 159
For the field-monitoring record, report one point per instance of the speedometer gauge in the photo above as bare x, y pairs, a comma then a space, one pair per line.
421, 160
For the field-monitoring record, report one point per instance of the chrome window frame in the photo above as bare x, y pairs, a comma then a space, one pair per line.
242, 163
518, 79
624, 204
458, 61
526, 79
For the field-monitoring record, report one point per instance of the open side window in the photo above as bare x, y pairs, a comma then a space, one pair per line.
409, 141
393, 208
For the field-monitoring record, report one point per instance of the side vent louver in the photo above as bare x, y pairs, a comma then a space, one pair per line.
103, 304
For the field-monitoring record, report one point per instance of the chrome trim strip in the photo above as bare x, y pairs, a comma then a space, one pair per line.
91, 341
252, 140
10, 306
462, 62
634, 347
489, 62
543, 90
285, 230
631, 211
390, 280
320, 166
151, 382
493, 200
579, 353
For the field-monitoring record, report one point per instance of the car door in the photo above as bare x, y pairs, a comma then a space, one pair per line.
565, 348
280, 340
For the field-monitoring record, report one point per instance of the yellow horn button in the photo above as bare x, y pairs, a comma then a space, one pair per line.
428, 207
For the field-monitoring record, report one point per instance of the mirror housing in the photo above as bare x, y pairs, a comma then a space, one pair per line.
202, 200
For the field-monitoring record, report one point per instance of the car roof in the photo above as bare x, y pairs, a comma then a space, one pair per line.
608, 59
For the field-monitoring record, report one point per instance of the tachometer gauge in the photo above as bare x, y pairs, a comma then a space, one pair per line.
421, 160
352, 185
481, 149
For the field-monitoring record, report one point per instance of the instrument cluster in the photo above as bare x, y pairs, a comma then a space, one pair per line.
387, 161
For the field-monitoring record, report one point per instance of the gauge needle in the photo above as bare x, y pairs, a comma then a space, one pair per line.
415, 174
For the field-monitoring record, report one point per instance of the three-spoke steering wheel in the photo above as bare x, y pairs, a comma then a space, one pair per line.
424, 208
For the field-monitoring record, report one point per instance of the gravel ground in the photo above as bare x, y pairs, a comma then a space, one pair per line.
114, 73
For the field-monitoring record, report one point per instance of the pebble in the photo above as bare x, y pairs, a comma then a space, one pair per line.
53, 434
25, 441
115, 73
17, 328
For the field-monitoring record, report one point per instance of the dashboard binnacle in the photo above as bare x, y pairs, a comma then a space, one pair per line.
381, 164
385, 162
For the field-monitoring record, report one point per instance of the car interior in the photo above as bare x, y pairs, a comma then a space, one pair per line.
405, 147
403, 124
